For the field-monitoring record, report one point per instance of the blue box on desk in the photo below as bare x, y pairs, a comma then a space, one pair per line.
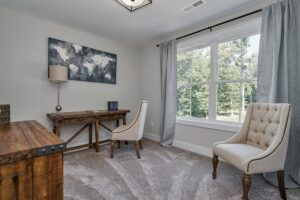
112, 105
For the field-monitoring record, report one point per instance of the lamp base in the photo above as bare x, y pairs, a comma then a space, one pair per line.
58, 108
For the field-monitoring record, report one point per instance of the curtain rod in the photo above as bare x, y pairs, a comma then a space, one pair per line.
216, 25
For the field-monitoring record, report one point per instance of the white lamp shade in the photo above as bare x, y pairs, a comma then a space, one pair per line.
58, 73
133, 3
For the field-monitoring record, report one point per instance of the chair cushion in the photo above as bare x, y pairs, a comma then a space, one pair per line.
236, 154
264, 124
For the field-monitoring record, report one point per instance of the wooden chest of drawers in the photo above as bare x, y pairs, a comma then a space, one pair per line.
31, 162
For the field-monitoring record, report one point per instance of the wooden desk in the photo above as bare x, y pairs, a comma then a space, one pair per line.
88, 118
31, 162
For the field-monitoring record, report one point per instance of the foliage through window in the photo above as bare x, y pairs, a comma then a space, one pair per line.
192, 79
220, 91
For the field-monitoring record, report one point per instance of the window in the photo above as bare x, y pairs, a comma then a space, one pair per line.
217, 81
237, 77
193, 79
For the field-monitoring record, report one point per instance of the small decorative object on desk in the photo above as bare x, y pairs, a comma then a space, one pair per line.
4, 114
112, 105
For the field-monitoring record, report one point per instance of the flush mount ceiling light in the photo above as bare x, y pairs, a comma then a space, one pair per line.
133, 5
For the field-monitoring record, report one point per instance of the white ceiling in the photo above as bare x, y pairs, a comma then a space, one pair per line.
108, 19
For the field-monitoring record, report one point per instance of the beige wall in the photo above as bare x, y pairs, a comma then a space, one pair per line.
151, 87
23, 71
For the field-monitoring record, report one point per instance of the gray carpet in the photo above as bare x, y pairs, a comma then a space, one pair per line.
161, 174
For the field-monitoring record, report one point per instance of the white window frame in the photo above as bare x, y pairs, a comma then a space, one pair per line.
200, 83
233, 32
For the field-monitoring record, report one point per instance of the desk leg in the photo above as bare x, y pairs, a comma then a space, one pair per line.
97, 135
91, 135
124, 123
124, 120
57, 128
117, 125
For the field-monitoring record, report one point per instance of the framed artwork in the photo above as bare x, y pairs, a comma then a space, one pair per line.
84, 63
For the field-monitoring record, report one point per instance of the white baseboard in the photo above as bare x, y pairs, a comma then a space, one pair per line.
205, 151
182, 145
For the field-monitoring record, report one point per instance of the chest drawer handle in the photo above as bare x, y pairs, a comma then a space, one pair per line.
53, 148
15, 178
43, 150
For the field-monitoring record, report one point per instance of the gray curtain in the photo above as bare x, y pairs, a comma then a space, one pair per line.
279, 74
168, 53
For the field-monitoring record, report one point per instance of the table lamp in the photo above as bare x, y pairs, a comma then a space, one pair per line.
58, 74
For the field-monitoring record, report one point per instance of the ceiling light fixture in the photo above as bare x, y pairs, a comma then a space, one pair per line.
133, 5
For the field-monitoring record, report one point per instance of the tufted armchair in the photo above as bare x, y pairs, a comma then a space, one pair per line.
261, 144
132, 132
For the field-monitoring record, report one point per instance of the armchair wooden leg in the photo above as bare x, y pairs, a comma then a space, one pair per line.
215, 162
281, 185
126, 142
119, 144
112, 149
141, 146
137, 147
246, 185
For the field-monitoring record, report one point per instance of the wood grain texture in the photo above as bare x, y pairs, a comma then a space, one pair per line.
88, 118
24, 173
19, 150
246, 186
70, 149
86, 114
16, 181
48, 177
21, 140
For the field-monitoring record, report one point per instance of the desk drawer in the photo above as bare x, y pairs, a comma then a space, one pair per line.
79, 120
110, 117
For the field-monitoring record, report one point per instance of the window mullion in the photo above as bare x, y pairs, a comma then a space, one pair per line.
191, 83
213, 83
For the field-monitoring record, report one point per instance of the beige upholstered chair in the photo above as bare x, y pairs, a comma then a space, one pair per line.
132, 132
261, 144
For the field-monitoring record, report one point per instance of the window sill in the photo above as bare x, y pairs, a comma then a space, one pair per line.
216, 125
